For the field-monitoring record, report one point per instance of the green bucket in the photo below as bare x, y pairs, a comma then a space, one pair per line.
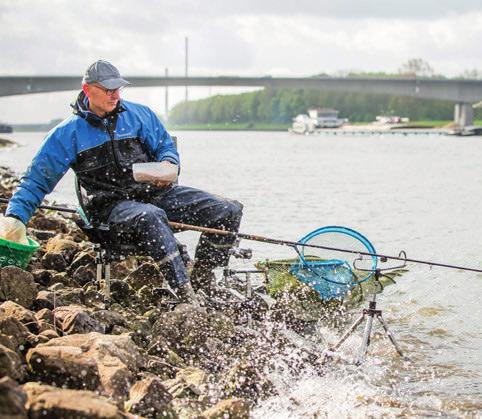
17, 254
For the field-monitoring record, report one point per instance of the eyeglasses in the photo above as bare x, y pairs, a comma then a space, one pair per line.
108, 92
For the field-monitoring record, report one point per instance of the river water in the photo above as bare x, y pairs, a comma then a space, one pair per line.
416, 193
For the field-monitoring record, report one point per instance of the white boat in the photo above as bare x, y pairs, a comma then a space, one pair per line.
303, 124
317, 118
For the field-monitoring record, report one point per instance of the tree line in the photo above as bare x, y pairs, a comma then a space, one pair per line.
281, 105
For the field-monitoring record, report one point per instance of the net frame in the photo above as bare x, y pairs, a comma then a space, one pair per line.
316, 266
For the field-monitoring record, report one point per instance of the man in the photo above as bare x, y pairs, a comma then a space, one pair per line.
101, 142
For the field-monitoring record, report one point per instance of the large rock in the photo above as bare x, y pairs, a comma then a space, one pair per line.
146, 274
67, 365
67, 248
41, 222
187, 329
13, 334
43, 276
84, 274
108, 319
149, 398
11, 365
23, 315
12, 400
60, 297
83, 258
47, 300
231, 408
55, 261
46, 315
76, 319
18, 286
62, 278
51, 402
245, 379
190, 382
92, 361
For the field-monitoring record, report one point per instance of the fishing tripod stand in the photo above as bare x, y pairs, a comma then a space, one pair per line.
369, 313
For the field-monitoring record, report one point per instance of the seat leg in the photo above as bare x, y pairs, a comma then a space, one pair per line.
102, 260
107, 281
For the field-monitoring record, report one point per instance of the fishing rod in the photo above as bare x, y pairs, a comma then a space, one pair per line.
252, 237
49, 207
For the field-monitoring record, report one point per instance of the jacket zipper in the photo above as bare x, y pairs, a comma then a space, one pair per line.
111, 136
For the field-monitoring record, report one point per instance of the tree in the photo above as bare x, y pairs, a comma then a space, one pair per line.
416, 67
473, 74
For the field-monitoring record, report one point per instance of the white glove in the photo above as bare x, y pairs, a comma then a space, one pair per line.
13, 230
158, 173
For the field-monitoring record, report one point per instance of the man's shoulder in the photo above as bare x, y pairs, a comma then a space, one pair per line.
135, 107
68, 123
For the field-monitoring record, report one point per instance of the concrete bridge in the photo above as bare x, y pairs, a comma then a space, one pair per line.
462, 92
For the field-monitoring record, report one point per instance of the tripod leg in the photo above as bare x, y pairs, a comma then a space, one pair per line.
390, 336
348, 332
366, 339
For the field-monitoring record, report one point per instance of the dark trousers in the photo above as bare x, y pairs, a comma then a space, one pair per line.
145, 223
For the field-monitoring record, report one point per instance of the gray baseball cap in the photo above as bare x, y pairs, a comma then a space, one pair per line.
104, 73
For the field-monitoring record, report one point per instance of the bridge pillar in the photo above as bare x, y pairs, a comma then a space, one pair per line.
464, 114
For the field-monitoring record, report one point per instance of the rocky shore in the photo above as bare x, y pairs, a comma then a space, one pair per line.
64, 353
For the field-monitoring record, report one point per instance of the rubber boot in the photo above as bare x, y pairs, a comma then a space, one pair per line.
203, 278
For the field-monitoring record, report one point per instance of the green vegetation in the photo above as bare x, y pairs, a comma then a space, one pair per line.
284, 127
227, 126
280, 106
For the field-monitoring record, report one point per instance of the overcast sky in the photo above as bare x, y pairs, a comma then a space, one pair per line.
242, 37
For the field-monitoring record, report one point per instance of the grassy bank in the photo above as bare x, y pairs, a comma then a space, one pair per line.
266, 126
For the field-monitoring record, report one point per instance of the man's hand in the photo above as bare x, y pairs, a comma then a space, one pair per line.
13, 230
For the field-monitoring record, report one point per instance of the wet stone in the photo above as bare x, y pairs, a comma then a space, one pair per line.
83, 258
62, 278
84, 274
43, 276
67, 248
11, 364
231, 408
55, 261
12, 400
18, 286
41, 222
147, 274
42, 234
76, 319
46, 401
23, 315
13, 334
149, 398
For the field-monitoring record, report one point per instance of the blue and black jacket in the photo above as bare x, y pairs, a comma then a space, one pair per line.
101, 152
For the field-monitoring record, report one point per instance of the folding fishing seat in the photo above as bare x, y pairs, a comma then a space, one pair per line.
110, 249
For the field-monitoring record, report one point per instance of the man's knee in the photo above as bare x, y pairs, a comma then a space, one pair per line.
149, 216
233, 210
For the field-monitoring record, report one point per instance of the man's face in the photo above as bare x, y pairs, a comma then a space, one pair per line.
101, 100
